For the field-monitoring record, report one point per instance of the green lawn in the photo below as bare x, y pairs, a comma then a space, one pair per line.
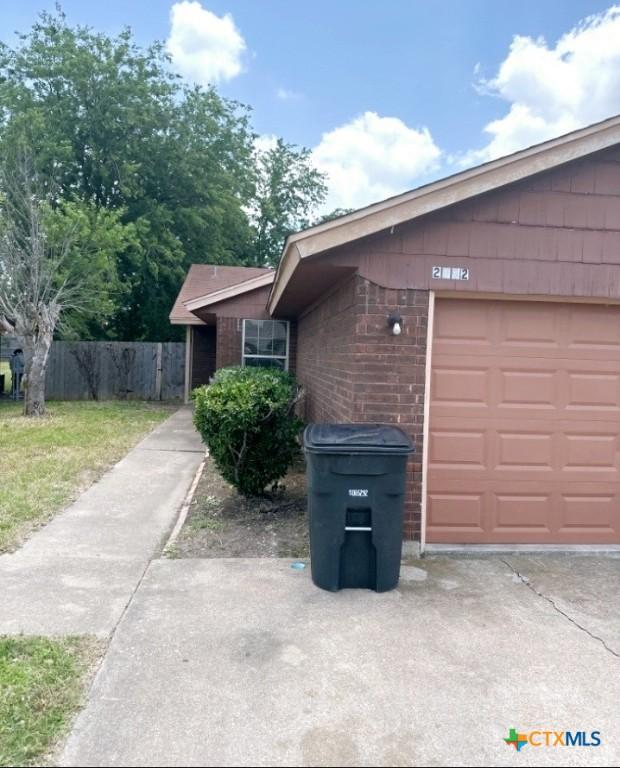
41, 686
45, 463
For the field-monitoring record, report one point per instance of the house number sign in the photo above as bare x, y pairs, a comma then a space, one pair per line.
450, 273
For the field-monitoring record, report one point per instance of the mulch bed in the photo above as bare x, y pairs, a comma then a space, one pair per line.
221, 523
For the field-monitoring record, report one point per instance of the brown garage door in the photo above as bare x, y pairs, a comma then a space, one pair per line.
524, 423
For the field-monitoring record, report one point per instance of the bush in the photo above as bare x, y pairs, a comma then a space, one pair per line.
246, 417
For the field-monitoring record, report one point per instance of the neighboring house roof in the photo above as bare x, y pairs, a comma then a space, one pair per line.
204, 280
214, 297
440, 194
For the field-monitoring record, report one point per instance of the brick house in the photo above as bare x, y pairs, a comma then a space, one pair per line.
504, 281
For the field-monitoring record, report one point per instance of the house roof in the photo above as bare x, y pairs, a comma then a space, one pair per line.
440, 194
205, 280
229, 292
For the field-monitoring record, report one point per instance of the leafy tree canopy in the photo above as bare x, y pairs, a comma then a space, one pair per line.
288, 188
176, 169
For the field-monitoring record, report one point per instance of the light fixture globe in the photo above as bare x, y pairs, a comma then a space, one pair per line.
395, 322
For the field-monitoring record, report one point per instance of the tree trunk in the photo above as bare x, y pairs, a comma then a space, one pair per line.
36, 353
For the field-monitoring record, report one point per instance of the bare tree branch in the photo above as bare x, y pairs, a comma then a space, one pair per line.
35, 283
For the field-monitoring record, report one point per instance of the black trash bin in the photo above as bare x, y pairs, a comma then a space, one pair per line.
356, 488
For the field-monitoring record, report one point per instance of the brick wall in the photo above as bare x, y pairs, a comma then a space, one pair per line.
228, 348
389, 375
326, 355
354, 369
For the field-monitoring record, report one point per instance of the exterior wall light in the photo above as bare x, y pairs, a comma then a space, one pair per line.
395, 322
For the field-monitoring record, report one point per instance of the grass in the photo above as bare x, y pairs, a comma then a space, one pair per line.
45, 463
41, 686
203, 520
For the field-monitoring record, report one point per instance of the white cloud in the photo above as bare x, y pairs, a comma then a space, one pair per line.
554, 89
265, 142
204, 47
371, 158
284, 94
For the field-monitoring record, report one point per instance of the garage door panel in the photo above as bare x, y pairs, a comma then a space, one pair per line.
514, 514
522, 324
524, 445
510, 403
590, 391
470, 326
524, 450
589, 331
464, 386
582, 513
463, 449
521, 512
456, 510
527, 388
585, 356
485, 516
528, 329
592, 452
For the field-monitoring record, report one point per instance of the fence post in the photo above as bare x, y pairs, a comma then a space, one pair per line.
158, 372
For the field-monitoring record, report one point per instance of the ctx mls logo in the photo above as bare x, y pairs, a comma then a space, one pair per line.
553, 739
518, 740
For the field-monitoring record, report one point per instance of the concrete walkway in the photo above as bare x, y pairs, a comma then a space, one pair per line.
245, 662
77, 575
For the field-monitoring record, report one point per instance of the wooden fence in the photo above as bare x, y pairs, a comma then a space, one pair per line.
134, 370
7, 345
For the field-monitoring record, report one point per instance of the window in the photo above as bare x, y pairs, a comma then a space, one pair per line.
265, 342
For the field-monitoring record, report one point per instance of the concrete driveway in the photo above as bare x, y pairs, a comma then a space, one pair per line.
245, 662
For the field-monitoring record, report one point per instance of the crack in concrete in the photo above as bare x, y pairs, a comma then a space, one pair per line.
524, 580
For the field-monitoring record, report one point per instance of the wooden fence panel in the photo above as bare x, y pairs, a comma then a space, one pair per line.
173, 363
116, 370
7, 345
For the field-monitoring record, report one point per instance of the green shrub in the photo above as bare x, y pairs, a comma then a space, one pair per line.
246, 417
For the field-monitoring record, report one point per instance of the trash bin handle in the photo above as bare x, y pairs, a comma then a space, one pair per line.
357, 528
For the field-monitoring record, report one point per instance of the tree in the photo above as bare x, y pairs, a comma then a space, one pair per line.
56, 262
288, 190
335, 214
109, 125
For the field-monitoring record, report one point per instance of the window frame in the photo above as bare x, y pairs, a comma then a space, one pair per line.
267, 357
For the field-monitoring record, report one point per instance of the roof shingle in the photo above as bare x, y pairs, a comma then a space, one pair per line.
203, 279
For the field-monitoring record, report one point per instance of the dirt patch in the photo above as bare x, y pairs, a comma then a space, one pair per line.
221, 523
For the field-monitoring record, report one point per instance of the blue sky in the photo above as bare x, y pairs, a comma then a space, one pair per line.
388, 94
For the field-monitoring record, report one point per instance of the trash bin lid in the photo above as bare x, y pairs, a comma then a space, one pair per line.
356, 438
